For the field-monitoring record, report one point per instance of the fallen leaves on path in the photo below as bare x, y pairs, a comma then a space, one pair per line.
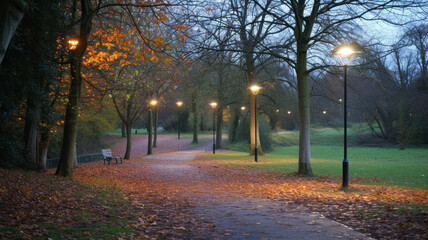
382, 212
162, 196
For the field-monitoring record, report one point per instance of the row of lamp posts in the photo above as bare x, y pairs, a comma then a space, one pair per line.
345, 53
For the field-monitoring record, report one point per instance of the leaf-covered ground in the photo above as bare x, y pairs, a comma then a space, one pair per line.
162, 199
35, 205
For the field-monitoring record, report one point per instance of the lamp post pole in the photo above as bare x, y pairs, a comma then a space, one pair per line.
325, 120
213, 130
150, 128
346, 53
213, 105
345, 164
179, 103
255, 90
255, 129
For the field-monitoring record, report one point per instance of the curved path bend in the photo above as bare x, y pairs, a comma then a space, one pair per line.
191, 186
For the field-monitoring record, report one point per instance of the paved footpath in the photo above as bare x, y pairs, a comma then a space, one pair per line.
239, 217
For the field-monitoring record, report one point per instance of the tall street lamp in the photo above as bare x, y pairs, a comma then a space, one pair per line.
213, 106
346, 54
255, 90
243, 113
149, 145
179, 103
324, 112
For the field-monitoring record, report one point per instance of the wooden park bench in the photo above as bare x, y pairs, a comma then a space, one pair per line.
108, 157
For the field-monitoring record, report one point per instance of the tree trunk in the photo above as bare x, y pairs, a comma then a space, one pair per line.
304, 116
123, 130
156, 127
31, 128
149, 130
11, 13
65, 166
195, 119
43, 146
219, 123
66, 162
128, 129
234, 124
202, 123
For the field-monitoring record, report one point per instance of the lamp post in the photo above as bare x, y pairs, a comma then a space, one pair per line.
255, 90
179, 103
346, 54
243, 113
324, 112
213, 106
150, 128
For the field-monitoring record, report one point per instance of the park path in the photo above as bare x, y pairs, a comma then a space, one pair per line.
195, 196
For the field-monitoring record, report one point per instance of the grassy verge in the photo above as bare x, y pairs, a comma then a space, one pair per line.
372, 165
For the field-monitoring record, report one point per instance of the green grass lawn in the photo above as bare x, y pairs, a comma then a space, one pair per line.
374, 165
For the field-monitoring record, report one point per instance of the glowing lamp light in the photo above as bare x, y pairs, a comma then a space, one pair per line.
179, 103
72, 43
213, 104
346, 52
277, 110
153, 102
324, 112
289, 112
243, 108
255, 89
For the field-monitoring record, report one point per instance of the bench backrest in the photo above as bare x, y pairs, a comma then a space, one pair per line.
106, 153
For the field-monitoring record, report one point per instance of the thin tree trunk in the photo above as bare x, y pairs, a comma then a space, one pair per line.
195, 119
128, 140
76, 164
234, 124
149, 130
43, 146
123, 130
219, 124
156, 127
202, 123
31, 128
